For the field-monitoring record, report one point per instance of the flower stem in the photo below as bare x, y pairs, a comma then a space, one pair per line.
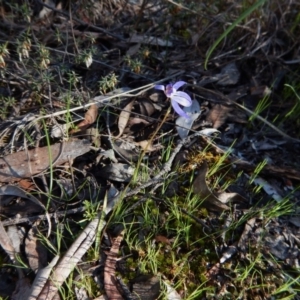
149, 143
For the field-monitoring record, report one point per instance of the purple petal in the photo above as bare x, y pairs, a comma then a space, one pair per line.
160, 87
179, 110
178, 84
182, 98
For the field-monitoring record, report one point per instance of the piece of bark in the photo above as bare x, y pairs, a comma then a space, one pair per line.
110, 281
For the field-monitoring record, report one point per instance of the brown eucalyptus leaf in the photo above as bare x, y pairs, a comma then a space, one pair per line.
138, 121
27, 185
24, 164
124, 117
210, 201
218, 115
147, 108
92, 114
90, 117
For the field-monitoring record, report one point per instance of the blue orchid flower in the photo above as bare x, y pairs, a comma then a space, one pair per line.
177, 97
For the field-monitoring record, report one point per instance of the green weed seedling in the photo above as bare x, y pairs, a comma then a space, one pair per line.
262, 105
134, 64
86, 56
108, 83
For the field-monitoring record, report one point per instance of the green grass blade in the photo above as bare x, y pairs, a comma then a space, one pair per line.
245, 14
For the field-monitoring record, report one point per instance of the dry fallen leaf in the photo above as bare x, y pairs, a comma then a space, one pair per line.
27, 185
138, 121
89, 118
40, 280
210, 201
146, 107
218, 115
63, 269
124, 117
24, 164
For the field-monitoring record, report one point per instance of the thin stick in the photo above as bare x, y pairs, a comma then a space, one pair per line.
96, 100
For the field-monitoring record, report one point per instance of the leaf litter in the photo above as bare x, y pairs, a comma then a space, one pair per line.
81, 125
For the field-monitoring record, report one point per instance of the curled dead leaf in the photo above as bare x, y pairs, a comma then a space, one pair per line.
146, 107
210, 201
138, 121
90, 117
124, 117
